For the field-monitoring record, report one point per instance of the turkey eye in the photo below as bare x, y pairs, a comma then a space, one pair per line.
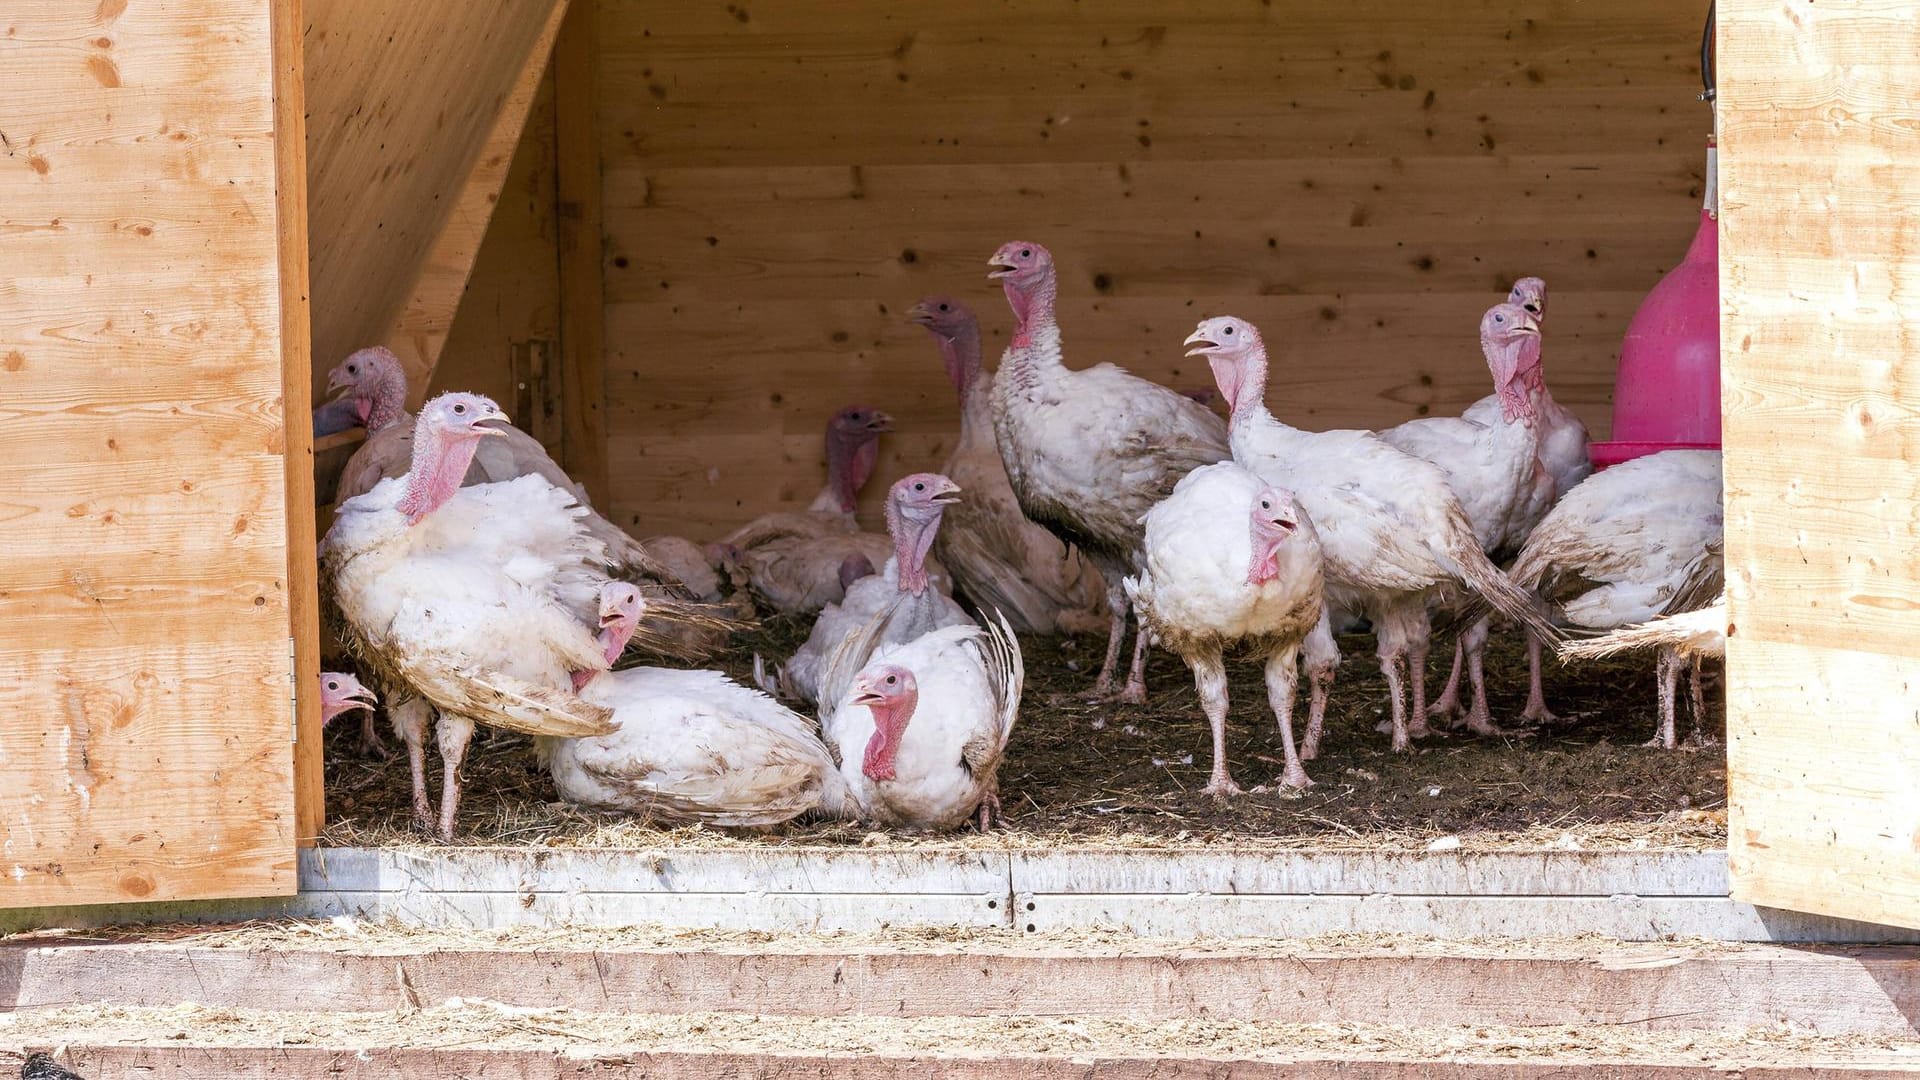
333, 686
1265, 505
1026, 253
919, 487
351, 370
944, 307
891, 680
1499, 318
1229, 331
459, 408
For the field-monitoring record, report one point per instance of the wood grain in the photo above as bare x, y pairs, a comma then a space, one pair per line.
1817, 186
150, 196
1361, 179
400, 106
577, 153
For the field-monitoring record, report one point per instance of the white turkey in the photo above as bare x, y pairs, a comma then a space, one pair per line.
476, 599
342, 693
1232, 564
801, 575
693, 747
1392, 535
853, 448
1493, 469
999, 559
1088, 452
919, 729
1633, 542
373, 378
1566, 460
915, 505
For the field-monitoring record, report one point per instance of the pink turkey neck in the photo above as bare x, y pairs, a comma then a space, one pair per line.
1245, 381
386, 403
613, 641
1032, 304
889, 723
439, 464
962, 355
911, 542
851, 458
1517, 374
1266, 553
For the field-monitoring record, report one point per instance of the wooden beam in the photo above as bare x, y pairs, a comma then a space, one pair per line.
421, 331
582, 290
296, 377
401, 100
1820, 338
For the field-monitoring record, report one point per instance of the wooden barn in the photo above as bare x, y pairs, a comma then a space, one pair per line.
670, 238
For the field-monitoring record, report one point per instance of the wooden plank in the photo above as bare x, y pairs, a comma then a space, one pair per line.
421, 331
296, 382
145, 731
780, 185
577, 153
1818, 338
400, 103
1413, 873
1861, 991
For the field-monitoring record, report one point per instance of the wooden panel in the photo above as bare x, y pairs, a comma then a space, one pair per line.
1819, 182
427, 321
1362, 178
401, 100
582, 289
149, 191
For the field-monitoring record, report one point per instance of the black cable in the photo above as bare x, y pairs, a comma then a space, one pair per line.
1707, 56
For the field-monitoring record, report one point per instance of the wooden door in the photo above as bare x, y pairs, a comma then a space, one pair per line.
152, 302
1820, 332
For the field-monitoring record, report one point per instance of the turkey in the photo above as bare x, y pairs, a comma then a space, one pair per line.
998, 558
373, 378
1392, 535
1232, 563
1641, 539
853, 447
687, 563
915, 505
693, 747
920, 728
1493, 469
1565, 458
1089, 452
475, 599
800, 576
342, 693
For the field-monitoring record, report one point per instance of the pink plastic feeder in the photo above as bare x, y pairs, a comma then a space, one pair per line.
1667, 393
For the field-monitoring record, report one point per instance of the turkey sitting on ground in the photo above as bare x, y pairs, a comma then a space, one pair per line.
1000, 560
476, 599
1392, 535
1636, 541
1233, 565
1565, 457
853, 448
679, 627
342, 693
1493, 469
693, 747
915, 505
1089, 452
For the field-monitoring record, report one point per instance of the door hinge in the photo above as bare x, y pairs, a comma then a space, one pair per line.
293, 688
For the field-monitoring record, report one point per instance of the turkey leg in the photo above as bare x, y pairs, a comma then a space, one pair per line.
1417, 682
1448, 704
410, 724
1479, 718
1700, 736
1116, 637
1283, 673
1323, 659
1210, 678
453, 733
1536, 709
1667, 670
1135, 692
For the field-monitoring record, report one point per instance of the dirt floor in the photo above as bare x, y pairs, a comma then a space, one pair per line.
1588, 783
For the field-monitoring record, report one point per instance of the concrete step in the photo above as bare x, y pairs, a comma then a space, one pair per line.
352, 967
471, 1039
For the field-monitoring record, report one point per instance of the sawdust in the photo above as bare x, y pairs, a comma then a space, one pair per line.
497, 1027
1588, 785
389, 938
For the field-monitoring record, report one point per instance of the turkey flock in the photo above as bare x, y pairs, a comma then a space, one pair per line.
469, 582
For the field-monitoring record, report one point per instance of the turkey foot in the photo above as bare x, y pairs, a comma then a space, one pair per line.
1210, 679
1222, 787
370, 742
1536, 710
1116, 638
1448, 704
989, 814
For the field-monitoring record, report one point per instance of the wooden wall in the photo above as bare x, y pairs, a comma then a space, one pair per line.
148, 199
1820, 332
1361, 177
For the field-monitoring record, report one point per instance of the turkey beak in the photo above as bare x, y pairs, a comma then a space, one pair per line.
880, 423
482, 425
360, 698
337, 379
1528, 324
865, 694
920, 315
948, 495
1000, 269
1199, 344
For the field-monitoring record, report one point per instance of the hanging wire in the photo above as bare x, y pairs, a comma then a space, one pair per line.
1707, 57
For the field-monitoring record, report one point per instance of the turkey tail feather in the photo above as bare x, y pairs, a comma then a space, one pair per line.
1695, 633
500, 700
1496, 588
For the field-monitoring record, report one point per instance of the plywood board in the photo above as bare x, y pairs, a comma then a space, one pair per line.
1820, 180
151, 586
402, 98
1362, 180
